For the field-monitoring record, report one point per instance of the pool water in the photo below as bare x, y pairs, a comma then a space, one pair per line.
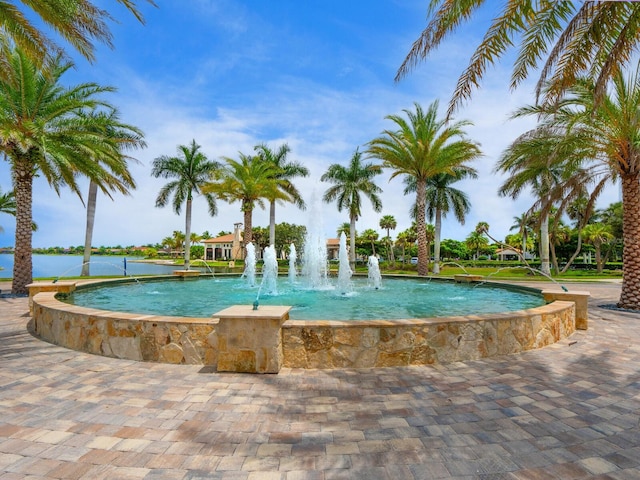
396, 299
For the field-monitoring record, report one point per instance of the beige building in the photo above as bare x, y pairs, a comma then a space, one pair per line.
231, 246
226, 247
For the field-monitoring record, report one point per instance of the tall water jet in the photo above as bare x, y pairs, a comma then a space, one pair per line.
293, 257
344, 270
250, 265
373, 268
269, 272
314, 258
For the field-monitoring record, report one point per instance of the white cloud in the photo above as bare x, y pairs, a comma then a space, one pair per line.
253, 80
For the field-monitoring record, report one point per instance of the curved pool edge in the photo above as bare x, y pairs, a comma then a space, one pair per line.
323, 344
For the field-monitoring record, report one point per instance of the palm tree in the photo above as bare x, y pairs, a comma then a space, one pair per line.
441, 198
529, 163
285, 172
409, 236
523, 224
7, 204
126, 137
596, 38
250, 181
189, 171
430, 235
475, 241
598, 141
597, 234
345, 228
43, 129
348, 185
371, 236
79, 22
176, 243
423, 147
402, 242
388, 222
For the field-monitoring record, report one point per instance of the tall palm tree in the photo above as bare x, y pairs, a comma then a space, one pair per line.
79, 22
250, 181
43, 129
441, 198
285, 172
388, 222
190, 171
7, 204
126, 137
599, 142
349, 183
576, 38
422, 147
529, 163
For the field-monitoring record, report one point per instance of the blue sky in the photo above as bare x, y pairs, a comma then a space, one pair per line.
316, 75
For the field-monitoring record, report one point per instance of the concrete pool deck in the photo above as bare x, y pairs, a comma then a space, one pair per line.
570, 410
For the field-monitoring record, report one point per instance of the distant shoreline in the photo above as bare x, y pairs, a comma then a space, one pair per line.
151, 260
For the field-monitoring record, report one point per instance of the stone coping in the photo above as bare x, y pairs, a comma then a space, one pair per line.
303, 344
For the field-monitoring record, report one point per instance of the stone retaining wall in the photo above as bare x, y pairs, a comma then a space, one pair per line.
305, 344
384, 343
149, 338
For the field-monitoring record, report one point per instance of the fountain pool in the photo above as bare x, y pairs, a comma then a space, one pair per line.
407, 321
397, 298
311, 321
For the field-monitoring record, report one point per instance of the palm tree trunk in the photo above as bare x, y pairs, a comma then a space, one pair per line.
187, 235
248, 225
630, 295
272, 223
599, 264
352, 243
423, 259
575, 254
436, 243
554, 258
545, 265
88, 234
22, 260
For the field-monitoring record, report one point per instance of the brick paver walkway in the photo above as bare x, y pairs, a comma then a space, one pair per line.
568, 411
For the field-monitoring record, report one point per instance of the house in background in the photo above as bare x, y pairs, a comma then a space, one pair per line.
333, 248
226, 247
231, 247
512, 254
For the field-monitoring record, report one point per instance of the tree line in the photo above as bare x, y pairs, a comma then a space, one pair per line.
587, 133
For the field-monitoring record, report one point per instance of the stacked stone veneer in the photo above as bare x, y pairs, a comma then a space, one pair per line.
386, 343
148, 338
305, 344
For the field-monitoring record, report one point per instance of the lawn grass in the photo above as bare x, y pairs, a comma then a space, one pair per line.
502, 273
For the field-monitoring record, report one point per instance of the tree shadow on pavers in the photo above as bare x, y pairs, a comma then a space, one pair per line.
16, 340
562, 406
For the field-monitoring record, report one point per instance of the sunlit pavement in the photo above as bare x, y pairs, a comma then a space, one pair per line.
568, 411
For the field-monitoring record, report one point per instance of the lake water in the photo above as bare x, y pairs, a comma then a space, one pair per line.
71, 265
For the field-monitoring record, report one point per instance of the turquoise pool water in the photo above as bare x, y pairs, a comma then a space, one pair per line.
397, 299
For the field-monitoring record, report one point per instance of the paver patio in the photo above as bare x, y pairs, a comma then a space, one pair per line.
568, 411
